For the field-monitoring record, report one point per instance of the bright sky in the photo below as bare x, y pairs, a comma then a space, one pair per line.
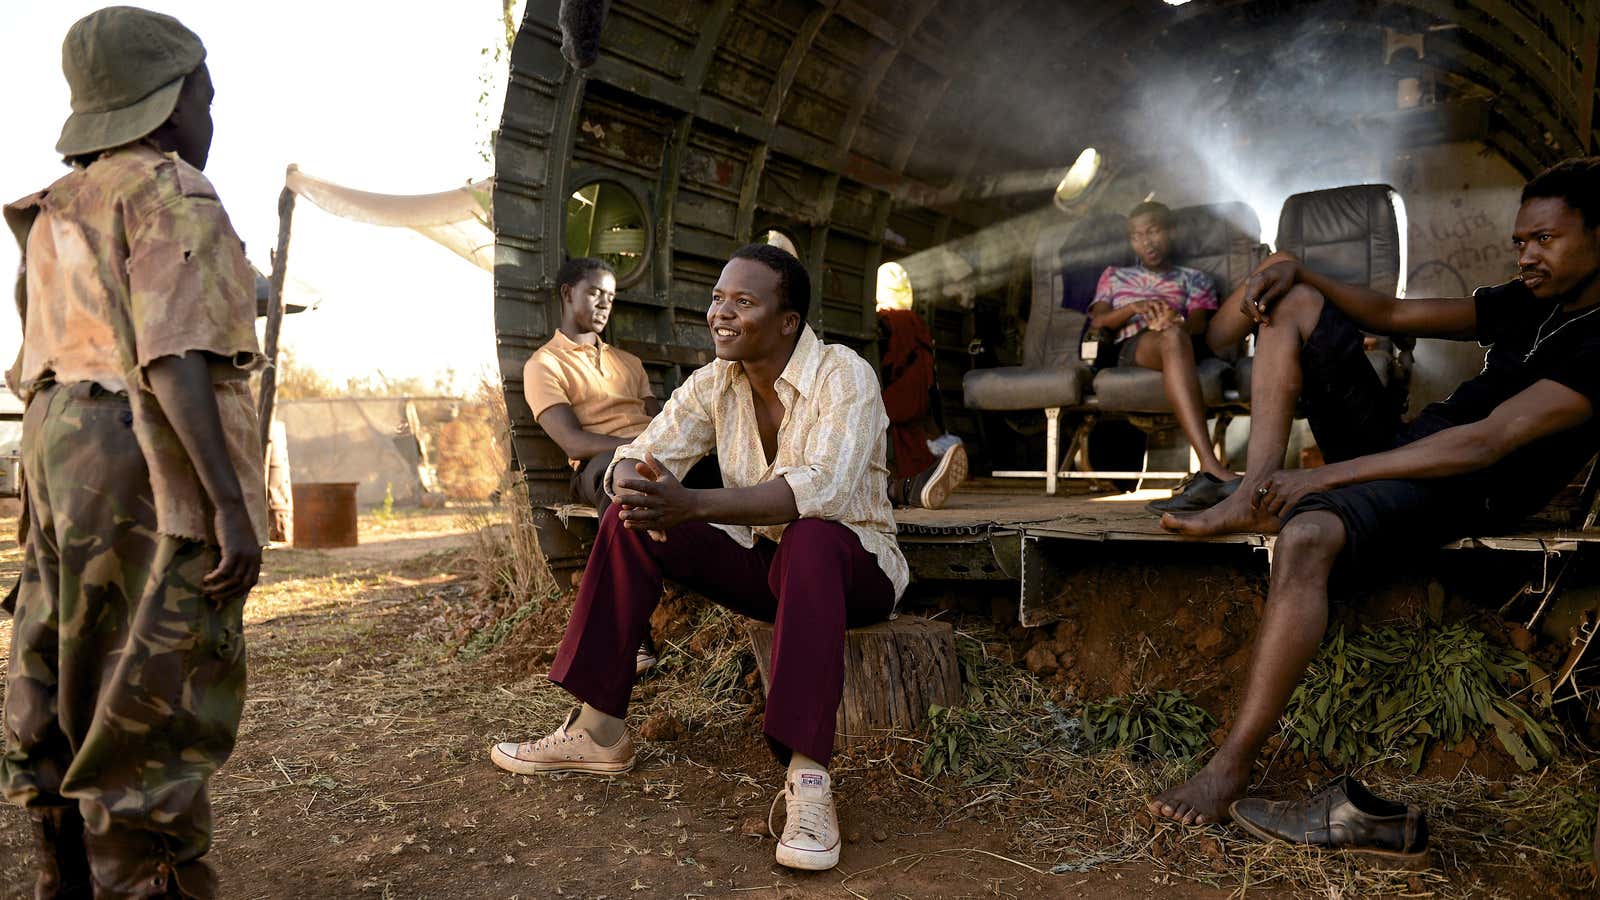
377, 96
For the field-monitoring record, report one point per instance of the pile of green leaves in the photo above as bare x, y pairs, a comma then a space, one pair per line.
992, 684
1389, 690
1001, 720
965, 743
1160, 725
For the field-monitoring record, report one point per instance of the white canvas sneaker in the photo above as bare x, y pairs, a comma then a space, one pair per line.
810, 837
567, 749
931, 487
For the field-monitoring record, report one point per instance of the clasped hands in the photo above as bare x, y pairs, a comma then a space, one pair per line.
1158, 315
652, 499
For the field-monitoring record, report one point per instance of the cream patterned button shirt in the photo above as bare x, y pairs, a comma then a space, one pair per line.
831, 444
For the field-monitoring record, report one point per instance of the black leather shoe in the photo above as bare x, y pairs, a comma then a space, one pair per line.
1343, 816
1199, 491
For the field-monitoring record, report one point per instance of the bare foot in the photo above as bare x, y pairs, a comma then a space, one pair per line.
1232, 516
1205, 798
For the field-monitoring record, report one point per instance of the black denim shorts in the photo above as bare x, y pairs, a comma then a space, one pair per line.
1353, 414
1127, 349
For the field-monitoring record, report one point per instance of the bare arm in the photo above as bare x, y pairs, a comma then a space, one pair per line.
1546, 407
1101, 315
182, 385
562, 425
1454, 318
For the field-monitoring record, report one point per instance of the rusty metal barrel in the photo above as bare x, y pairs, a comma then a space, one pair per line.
324, 515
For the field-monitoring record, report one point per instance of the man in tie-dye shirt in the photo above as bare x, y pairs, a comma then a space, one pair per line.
1161, 316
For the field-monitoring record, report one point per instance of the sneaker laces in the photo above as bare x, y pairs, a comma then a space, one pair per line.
803, 817
549, 741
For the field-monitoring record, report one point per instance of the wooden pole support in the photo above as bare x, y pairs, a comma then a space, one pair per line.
280, 268
893, 671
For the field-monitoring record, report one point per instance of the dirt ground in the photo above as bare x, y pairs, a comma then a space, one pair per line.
361, 771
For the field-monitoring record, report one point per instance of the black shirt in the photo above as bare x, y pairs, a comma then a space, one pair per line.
1510, 321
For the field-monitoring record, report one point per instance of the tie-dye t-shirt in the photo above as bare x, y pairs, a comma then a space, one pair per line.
1186, 290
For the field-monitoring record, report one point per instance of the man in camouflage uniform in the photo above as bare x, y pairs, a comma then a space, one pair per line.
142, 460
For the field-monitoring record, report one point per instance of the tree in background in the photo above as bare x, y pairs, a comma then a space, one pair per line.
492, 79
297, 382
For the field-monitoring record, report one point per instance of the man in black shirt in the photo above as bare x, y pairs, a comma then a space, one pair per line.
1497, 450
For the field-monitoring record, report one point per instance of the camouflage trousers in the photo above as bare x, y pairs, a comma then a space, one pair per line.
126, 683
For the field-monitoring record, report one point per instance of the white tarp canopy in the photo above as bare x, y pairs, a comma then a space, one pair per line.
373, 441
458, 219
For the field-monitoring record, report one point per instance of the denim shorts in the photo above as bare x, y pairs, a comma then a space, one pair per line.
1352, 413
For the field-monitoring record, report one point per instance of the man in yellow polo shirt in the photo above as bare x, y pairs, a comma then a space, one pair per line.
590, 397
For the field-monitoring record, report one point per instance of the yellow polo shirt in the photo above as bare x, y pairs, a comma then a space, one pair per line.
605, 387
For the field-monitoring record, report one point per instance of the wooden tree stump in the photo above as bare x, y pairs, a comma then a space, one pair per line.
893, 671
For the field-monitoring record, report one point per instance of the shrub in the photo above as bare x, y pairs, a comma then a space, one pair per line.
1160, 725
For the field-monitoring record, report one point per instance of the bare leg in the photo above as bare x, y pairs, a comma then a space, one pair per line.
1229, 324
1275, 388
1171, 353
1291, 629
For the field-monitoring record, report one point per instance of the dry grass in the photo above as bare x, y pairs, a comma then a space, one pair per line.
707, 677
352, 681
1058, 805
509, 577
1068, 808
471, 452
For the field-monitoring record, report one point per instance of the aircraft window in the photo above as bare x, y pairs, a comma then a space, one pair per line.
1078, 177
604, 219
894, 287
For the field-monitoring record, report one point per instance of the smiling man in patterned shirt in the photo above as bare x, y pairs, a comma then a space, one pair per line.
802, 536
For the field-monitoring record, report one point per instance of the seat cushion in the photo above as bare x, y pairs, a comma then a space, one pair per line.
1242, 369
1024, 387
1136, 389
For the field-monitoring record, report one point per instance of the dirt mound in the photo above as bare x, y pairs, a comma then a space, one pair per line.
1127, 626
1124, 626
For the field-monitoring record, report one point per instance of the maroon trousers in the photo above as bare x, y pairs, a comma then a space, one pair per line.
812, 585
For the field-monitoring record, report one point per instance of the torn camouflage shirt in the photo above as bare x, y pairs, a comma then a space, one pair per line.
127, 261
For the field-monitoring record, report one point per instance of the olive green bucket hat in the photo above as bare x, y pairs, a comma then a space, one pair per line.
126, 68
